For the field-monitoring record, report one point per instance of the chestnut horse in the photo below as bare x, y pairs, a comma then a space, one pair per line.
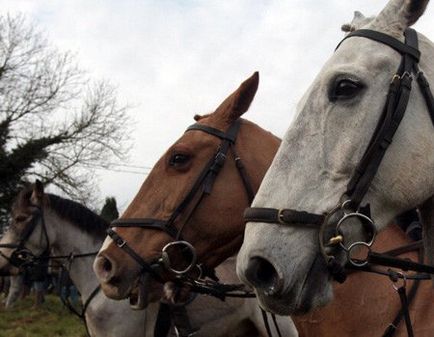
365, 304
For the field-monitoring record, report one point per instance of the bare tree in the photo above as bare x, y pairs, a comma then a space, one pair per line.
55, 123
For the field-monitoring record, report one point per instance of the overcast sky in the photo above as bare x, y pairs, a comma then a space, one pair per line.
173, 59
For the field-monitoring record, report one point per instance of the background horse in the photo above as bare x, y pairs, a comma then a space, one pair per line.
216, 226
321, 150
73, 229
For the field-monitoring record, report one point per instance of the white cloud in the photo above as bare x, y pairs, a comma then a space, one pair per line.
172, 59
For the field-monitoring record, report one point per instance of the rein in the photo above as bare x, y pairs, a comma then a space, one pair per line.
350, 202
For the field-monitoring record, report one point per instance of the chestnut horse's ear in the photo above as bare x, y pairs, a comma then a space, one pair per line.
239, 101
37, 193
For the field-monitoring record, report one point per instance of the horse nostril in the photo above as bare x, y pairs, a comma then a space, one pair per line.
107, 265
104, 268
262, 274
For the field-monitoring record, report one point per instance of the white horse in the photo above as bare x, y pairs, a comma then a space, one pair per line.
320, 151
15, 290
72, 228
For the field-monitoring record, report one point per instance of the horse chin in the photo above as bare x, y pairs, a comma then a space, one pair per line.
146, 290
139, 296
116, 290
310, 293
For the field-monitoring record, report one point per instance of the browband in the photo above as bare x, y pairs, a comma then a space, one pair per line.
385, 39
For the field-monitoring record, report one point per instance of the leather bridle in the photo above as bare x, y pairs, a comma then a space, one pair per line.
22, 256
24, 259
349, 205
201, 187
350, 201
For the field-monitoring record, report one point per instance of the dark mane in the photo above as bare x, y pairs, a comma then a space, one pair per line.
79, 215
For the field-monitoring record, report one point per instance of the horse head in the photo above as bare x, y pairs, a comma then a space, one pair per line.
194, 193
321, 152
26, 236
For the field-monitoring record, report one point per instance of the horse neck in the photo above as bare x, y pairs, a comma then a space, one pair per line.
65, 238
257, 148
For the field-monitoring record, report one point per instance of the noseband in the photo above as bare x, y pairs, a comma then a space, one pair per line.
201, 187
349, 205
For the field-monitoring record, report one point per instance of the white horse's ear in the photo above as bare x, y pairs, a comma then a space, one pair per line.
413, 10
427, 215
400, 14
359, 21
37, 193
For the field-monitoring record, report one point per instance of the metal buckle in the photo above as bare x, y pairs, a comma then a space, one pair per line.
120, 242
395, 78
280, 216
220, 158
396, 284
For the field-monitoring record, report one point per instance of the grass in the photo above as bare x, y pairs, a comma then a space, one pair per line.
52, 319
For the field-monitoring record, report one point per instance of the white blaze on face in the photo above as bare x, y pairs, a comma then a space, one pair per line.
108, 240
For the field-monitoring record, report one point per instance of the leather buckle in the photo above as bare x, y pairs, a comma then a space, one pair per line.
120, 242
280, 216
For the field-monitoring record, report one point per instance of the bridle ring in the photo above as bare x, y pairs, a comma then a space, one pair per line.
166, 258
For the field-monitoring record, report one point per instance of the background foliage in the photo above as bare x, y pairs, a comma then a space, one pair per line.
56, 124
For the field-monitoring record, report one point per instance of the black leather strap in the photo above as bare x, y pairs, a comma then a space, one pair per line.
426, 91
121, 243
229, 136
400, 47
284, 216
146, 223
396, 105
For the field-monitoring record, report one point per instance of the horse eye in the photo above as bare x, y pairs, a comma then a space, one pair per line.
179, 159
345, 89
